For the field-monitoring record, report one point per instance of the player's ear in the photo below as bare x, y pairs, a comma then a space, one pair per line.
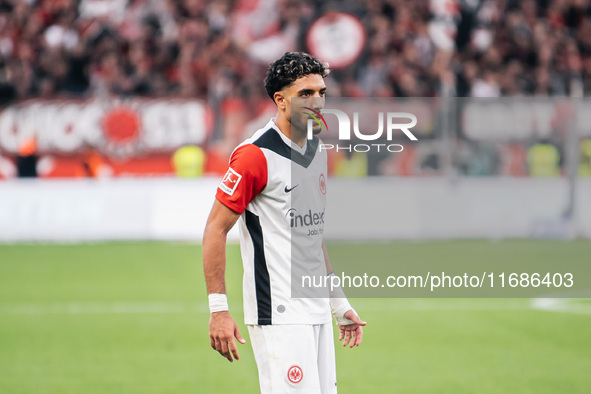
279, 99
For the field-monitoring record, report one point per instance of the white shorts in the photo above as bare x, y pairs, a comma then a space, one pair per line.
294, 358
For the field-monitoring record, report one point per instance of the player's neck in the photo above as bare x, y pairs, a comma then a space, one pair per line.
284, 125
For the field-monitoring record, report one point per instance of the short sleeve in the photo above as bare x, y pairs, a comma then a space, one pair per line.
245, 179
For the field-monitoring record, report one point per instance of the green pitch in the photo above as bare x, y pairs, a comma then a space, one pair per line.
132, 318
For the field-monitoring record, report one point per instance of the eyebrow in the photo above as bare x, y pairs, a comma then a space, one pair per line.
303, 91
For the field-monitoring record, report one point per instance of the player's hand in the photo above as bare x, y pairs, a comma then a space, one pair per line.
222, 330
352, 333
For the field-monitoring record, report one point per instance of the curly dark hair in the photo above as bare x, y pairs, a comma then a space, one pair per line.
291, 66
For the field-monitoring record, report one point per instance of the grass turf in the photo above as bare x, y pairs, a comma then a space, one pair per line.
132, 318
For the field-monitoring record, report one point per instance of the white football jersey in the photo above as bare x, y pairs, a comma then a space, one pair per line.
280, 191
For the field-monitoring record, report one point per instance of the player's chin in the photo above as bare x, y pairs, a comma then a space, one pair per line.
316, 130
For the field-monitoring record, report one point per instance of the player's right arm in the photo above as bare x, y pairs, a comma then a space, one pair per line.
222, 326
245, 179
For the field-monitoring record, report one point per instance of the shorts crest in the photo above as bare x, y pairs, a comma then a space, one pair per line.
295, 374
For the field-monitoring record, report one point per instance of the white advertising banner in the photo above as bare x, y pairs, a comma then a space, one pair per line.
116, 127
363, 209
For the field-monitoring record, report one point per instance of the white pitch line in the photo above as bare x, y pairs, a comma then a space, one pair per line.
448, 305
127, 307
122, 307
562, 305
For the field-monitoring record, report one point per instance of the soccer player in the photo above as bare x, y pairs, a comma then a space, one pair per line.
276, 183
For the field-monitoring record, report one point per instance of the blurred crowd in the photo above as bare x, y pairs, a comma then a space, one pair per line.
219, 50
213, 49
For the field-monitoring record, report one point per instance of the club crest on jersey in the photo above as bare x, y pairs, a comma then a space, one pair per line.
295, 374
322, 182
230, 181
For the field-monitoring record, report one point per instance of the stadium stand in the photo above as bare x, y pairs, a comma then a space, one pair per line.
216, 51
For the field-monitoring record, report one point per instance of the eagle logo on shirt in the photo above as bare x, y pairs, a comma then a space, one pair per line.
322, 183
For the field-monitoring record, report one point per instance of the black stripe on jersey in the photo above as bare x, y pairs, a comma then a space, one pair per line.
272, 140
261, 273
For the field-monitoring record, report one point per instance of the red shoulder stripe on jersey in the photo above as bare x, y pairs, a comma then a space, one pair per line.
245, 179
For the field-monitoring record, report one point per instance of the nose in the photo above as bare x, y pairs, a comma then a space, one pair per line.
317, 102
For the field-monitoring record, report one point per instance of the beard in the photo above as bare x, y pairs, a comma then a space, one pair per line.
316, 129
299, 125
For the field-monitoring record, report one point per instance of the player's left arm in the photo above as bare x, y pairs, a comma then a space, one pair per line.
350, 325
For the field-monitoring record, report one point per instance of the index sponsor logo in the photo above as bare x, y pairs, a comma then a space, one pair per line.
308, 219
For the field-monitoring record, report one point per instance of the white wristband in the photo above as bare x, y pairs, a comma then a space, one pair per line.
339, 305
218, 302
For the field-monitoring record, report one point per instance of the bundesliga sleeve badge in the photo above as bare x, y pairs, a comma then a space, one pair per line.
230, 181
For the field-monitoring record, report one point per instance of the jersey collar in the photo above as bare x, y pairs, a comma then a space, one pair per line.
286, 140
277, 142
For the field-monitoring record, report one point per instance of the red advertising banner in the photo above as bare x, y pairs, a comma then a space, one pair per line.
103, 138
